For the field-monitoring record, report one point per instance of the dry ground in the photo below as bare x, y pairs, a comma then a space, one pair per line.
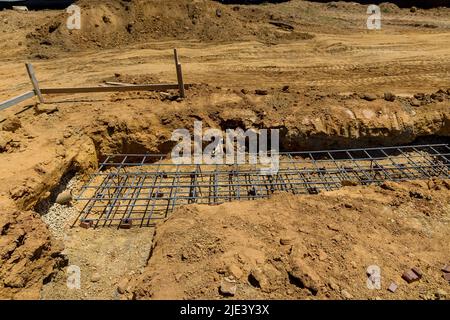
330, 63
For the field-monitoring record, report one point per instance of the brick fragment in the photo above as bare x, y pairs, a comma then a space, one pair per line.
418, 272
126, 224
86, 224
410, 276
447, 276
392, 287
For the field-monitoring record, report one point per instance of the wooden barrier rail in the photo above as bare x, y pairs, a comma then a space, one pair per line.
13, 101
39, 92
144, 87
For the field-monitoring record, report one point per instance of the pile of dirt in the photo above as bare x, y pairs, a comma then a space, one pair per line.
28, 256
109, 24
400, 3
304, 247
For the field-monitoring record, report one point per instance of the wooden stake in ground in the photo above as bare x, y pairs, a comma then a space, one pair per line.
179, 74
34, 82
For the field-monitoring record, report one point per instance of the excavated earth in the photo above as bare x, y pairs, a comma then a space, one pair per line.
319, 76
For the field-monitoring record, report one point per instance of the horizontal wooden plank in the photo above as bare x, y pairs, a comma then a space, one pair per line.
18, 99
147, 87
119, 83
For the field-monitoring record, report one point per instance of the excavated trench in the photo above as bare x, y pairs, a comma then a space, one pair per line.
335, 127
91, 249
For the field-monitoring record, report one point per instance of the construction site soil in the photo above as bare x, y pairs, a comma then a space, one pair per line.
311, 70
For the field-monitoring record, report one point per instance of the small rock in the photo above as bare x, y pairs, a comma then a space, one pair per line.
415, 103
261, 92
333, 286
427, 296
419, 96
244, 91
45, 108
19, 8
349, 183
333, 227
437, 97
227, 287
235, 271
285, 89
19, 192
389, 96
322, 255
64, 198
164, 95
413, 9
419, 195
446, 268
95, 277
122, 286
170, 97
258, 279
388, 186
441, 294
12, 124
369, 97
4, 140
304, 276
218, 13
285, 241
346, 294
178, 277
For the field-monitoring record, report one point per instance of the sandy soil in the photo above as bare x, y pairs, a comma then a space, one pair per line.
303, 247
331, 64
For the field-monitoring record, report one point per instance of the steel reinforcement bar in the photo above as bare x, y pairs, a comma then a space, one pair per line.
134, 189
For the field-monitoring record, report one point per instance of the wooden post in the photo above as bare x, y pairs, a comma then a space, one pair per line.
179, 74
34, 82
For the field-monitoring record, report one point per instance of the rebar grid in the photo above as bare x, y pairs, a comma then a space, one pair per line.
138, 188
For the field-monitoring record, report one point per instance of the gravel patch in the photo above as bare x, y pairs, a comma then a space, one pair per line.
60, 217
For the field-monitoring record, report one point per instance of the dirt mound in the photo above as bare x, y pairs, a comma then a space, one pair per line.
304, 246
108, 24
28, 258
401, 3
